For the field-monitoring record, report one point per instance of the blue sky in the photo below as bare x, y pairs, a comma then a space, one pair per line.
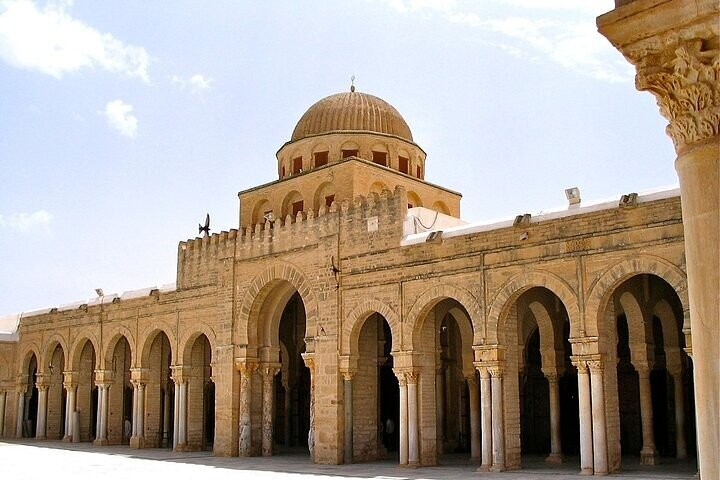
123, 122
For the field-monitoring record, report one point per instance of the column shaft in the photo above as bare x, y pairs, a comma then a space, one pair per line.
413, 438
135, 411
486, 419
267, 411
348, 391
498, 424
555, 432
680, 440
403, 421
176, 418
182, 415
3, 395
648, 454
244, 436
440, 411
41, 412
586, 425
20, 414
474, 417
70, 411
599, 430
166, 416
141, 410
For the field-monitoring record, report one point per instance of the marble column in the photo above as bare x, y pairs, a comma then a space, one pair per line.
440, 410
71, 389
680, 439
138, 438
586, 420
20, 413
599, 428
674, 47
176, 418
648, 454
486, 419
412, 413
3, 395
309, 359
268, 375
166, 416
403, 447
555, 431
41, 412
182, 414
474, 417
348, 394
102, 411
244, 437
498, 423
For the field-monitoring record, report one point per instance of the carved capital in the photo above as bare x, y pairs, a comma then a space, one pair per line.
348, 375
581, 364
411, 377
595, 366
246, 367
684, 79
309, 359
496, 371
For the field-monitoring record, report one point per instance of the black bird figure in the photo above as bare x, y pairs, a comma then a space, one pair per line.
205, 228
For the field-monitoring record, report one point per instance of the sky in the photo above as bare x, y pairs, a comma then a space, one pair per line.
122, 123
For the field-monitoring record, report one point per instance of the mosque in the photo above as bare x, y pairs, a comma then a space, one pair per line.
355, 316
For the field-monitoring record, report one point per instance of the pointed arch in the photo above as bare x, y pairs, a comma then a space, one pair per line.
356, 319
516, 286
50, 344
187, 341
114, 335
602, 289
77, 347
431, 297
246, 330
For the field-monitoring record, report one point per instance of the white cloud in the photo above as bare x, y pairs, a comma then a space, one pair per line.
51, 41
23, 222
540, 33
195, 84
120, 117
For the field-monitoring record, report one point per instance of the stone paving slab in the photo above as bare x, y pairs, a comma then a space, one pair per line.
53, 459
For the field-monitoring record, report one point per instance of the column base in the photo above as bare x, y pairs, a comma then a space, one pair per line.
586, 471
649, 457
497, 469
413, 464
483, 468
137, 442
101, 442
67, 438
40, 437
182, 447
555, 458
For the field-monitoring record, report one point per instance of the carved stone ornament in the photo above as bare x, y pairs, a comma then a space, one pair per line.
684, 79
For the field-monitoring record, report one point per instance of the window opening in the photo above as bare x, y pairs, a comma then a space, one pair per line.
297, 165
329, 200
380, 158
321, 158
404, 164
297, 207
349, 153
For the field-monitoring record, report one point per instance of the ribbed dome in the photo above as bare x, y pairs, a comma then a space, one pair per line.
352, 111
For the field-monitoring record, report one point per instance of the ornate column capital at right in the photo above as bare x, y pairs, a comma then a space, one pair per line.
684, 78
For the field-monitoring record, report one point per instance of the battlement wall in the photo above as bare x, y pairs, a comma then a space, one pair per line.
367, 223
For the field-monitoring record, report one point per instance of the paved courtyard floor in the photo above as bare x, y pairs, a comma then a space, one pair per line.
31, 459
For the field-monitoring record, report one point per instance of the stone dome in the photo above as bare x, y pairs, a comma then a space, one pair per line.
352, 112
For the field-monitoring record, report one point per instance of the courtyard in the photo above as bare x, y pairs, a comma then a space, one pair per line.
84, 461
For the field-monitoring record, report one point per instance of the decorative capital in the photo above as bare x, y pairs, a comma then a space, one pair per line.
309, 359
246, 367
684, 78
411, 377
595, 366
496, 371
348, 375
